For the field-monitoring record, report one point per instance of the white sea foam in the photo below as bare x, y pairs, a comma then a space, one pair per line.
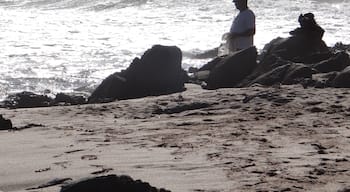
67, 45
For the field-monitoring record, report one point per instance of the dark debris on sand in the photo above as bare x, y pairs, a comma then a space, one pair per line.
110, 183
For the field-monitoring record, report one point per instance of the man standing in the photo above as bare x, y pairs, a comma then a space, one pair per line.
241, 35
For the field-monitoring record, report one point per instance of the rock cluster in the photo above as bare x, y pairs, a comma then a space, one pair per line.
27, 99
301, 58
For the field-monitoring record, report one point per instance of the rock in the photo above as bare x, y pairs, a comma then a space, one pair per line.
286, 74
308, 27
304, 42
69, 99
26, 100
322, 80
158, 72
5, 124
340, 47
110, 183
342, 80
336, 63
228, 71
111, 88
270, 64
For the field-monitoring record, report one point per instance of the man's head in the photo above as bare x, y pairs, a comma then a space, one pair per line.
240, 4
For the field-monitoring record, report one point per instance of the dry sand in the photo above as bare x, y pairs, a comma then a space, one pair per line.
250, 139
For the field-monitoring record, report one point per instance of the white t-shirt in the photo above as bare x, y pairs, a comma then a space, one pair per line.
243, 21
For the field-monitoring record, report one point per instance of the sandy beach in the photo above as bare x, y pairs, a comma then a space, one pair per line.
282, 138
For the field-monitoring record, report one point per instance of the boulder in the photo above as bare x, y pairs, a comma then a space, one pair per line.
338, 62
268, 64
5, 124
229, 70
157, 72
110, 183
26, 100
342, 80
323, 80
67, 99
286, 74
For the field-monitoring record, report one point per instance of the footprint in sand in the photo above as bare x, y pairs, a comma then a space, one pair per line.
43, 170
74, 151
63, 164
89, 157
102, 171
69, 152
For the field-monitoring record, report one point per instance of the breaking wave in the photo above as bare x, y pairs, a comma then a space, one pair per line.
96, 5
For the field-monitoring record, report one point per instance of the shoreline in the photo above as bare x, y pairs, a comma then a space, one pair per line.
243, 139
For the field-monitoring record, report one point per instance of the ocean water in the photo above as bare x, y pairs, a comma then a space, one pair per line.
50, 46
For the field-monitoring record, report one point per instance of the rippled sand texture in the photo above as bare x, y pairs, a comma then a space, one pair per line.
71, 45
251, 139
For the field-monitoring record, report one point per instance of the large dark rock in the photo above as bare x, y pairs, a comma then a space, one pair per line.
111, 183
342, 80
268, 64
26, 100
286, 74
29, 100
323, 80
5, 124
157, 72
67, 99
228, 71
338, 62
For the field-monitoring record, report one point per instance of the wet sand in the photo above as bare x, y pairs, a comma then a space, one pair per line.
245, 139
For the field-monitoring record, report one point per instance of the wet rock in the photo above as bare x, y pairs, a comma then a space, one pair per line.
157, 72
323, 80
5, 124
266, 65
342, 80
69, 99
285, 74
308, 27
30, 100
27, 100
338, 62
110, 183
228, 71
